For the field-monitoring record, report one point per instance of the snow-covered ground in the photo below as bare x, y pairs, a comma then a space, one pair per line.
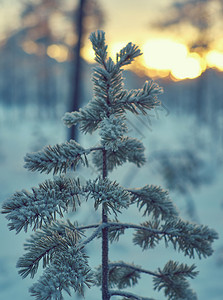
19, 136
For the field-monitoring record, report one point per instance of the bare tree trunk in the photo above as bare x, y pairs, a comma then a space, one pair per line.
75, 83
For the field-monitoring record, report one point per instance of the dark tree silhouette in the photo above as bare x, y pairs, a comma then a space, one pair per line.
75, 99
86, 10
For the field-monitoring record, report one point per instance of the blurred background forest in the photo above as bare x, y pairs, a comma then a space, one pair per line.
46, 64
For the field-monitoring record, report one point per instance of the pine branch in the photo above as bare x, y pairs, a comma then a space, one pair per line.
112, 130
110, 72
119, 275
134, 150
89, 226
154, 200
133, 267
52, 197
119, 225
106, 191
128, 295
88, 117
128, 149
108, 83
98, 43
113, 232
139, 101
147, 239
116, 228
176, 231
94, 234
58, 158
43, 245
127, 54
68, 269
43, 249
148, 234
123, 276
185, 236
191, 238
173, 280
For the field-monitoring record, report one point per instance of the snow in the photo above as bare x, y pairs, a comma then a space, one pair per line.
170, 133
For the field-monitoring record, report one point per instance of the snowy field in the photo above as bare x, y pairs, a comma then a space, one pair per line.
20, 135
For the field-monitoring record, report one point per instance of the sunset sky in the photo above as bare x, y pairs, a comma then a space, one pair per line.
165, 51
131, 20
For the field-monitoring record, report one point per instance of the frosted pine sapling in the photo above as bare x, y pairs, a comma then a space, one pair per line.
60, 245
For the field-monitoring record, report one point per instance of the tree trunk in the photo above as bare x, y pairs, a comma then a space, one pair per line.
75, 82
105, 293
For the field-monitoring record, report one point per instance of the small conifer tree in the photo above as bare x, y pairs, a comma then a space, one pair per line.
60, 245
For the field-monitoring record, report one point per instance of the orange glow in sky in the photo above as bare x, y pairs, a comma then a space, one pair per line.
174, 57
163, 55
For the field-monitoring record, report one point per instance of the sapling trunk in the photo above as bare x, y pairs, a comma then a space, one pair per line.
105, 294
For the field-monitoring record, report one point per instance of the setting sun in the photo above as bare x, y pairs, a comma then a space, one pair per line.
169, 55
163, 54
189, 67
215, 59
